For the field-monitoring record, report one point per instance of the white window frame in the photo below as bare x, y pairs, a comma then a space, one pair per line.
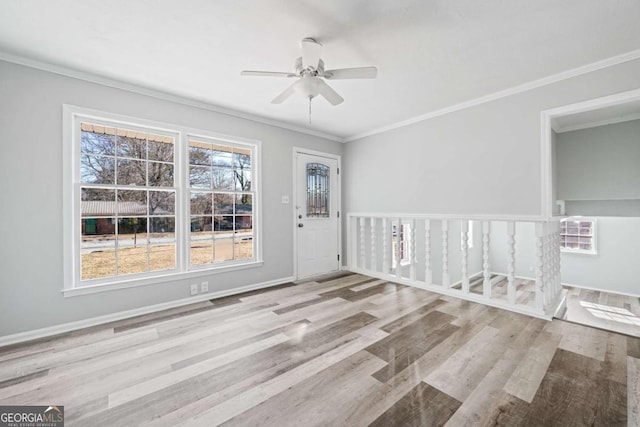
594, 236
72, 116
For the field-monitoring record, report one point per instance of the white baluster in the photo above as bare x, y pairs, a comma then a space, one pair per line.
464, 235
486, 284
446, 279
361, 248
428, 273
511, 262
546, 265
412, 251
558, 263
539, 267
399, 250
385, 246
353, 242
374, 255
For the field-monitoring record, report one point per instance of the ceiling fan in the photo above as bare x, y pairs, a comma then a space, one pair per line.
310, 72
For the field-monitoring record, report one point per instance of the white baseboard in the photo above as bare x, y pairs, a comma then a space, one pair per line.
94, 321
455, 293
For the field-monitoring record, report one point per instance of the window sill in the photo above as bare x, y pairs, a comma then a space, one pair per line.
170, 277
572, 251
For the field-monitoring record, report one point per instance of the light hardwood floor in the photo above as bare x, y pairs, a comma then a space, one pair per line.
350, 351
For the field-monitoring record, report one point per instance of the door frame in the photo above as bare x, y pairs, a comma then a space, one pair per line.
547, 123
338, 158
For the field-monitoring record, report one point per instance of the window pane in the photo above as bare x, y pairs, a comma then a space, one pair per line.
318, 190
96, 263
223, 248
242, 180
162, 257
132, 172
129, 146
200, 224
244, 203
223, 223
223, 179
244, 246
97, 169
162, 202
221, 156
162, 230
200, 153
241, 159
223, 203
200, 177
201, 252
244, 222
201, 203
132, 202
98, 202
97, 248
160, 148
160, 174
92, 142
132, 231
132, 259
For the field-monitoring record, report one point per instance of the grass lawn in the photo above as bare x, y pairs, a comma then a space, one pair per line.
163, 257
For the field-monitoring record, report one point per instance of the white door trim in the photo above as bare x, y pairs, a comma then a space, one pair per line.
338, 158
546, 119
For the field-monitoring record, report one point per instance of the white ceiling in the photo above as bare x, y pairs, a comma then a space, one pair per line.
429, 54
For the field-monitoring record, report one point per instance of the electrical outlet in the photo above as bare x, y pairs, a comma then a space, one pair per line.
194, 289
204, 287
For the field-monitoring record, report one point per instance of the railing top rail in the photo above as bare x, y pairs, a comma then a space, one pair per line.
517, 218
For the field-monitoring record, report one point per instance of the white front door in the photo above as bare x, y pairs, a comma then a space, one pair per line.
317, 206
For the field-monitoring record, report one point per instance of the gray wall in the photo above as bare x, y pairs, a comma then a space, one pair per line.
480, 160
31, 218
598, 170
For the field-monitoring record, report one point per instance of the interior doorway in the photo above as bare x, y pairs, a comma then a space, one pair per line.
590, 179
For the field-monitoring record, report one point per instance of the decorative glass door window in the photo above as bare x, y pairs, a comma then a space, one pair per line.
318, 178
578, 235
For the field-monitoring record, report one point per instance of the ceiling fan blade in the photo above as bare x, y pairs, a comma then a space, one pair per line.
286, 94
266, 74
352, 73
310, 53
329, 94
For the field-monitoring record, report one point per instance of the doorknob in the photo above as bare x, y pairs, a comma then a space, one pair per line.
300, 225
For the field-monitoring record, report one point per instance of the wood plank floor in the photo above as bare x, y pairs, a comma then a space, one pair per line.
349, 350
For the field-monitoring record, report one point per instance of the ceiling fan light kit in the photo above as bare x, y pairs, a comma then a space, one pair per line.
309, 69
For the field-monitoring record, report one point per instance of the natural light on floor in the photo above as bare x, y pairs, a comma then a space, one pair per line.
615, 314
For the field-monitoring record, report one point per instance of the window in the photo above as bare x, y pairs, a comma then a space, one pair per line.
318, 179
127, 201
221, 202
578, 235
138, 212
401, 243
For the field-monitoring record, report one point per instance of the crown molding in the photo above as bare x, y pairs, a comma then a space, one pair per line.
166, 96
545, 81
611, 121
